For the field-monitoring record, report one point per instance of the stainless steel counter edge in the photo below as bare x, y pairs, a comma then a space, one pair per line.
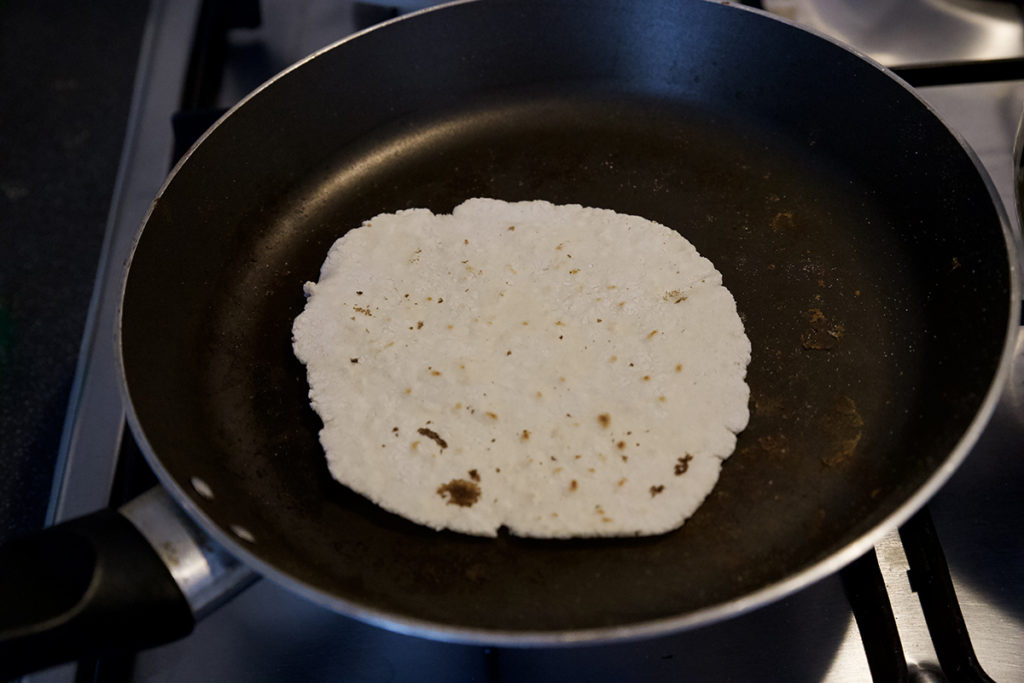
95, 417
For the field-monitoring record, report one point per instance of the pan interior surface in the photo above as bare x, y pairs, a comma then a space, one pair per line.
874, 294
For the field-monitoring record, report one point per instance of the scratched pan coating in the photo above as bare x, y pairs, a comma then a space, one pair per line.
861, 242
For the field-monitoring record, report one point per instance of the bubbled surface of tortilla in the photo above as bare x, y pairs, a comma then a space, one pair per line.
559, 370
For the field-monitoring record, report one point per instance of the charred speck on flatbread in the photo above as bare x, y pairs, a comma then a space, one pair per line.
459, 492
431, 434
682, 464
554, 362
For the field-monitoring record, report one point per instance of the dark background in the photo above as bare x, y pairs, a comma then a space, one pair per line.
66, 73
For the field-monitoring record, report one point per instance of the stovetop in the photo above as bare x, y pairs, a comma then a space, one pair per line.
268, 634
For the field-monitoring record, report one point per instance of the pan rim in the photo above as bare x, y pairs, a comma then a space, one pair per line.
636, 630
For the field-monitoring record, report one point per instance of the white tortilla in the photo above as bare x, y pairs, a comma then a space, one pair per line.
558, 370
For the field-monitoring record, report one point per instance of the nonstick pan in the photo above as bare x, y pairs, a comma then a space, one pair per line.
869, 257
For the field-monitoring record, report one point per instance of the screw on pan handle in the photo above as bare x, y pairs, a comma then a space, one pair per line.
89, 586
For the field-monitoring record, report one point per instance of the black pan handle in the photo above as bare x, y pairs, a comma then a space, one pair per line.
111, 582
91, 585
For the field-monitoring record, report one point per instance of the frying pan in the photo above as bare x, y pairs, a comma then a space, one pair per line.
865, 247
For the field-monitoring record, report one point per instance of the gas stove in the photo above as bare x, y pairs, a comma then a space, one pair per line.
199, 57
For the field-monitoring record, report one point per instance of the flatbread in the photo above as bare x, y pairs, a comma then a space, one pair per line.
558, 370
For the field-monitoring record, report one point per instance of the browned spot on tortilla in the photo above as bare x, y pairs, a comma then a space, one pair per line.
493, 416
652, 333
622, 481
419, 325
679, 367
621, 445
474, 475
843, 425
573, 485
460, 492
525, 435
682, 465
782, 221
655, 490
431, 434
605, 419
511, 228
647, 378
435, 373
364, 311
353, 360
